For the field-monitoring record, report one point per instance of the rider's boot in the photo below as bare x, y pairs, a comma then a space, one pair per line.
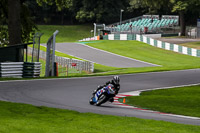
111, 99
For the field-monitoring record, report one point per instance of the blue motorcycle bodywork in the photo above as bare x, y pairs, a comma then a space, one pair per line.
108, 89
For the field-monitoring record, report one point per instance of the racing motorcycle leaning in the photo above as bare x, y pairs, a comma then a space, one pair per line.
103, 95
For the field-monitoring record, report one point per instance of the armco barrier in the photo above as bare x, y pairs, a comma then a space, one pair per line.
20, 69
11, 69
31, 69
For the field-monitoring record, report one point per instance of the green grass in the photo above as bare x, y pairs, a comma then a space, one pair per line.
182, 101
195, 45
70, 33
167, 59
22, 118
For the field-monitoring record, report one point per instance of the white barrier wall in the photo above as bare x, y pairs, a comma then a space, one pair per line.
159, 43
185, 50
111, 37
175, 48
156, 43
167, 46
123, 37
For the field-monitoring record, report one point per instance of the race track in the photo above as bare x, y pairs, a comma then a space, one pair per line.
75, 93
100, 56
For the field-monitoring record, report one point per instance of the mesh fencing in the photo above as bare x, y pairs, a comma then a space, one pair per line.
68, 66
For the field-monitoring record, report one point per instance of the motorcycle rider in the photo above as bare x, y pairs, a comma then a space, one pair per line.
114, 82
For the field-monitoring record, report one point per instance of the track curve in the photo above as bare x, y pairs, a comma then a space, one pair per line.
75, 93
100, 56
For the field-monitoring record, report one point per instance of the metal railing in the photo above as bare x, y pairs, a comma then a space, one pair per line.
11, 69
20, 69
31, 69
70, 63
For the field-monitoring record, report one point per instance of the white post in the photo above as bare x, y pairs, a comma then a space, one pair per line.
95, 26
121, 18
104, 26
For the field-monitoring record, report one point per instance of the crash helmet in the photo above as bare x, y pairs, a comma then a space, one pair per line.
116, 79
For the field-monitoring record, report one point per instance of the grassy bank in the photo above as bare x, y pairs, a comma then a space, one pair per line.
69, 33
195, 45
182, 101
167, 60
21, 118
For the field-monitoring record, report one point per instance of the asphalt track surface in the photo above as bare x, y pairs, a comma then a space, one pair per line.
100, 56
74, 93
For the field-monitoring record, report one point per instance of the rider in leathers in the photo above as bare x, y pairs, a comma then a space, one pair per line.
114, 82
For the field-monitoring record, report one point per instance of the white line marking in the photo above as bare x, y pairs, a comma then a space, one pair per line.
118, 55
74, 78
137, 93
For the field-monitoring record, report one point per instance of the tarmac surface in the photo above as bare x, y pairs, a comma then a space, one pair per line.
74, 93
99, 56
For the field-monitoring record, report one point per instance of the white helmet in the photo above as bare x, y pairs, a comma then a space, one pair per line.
116, 79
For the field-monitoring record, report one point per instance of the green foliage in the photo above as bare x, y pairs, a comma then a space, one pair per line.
3, 21
90, 10
3, 35
85, 16
179, 5
27, 24
61, 4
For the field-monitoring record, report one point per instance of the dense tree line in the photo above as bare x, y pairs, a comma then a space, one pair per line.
18, 17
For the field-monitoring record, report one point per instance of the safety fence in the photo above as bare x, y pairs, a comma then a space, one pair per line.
67, 65
154, 42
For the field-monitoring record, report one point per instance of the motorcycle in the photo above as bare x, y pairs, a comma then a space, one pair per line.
103, 95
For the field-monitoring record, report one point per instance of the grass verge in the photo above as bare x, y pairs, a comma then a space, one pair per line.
67, 33
182, 100
167, 59
22, 118
195, 45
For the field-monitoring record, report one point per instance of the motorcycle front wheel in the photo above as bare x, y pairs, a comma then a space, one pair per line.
91, 101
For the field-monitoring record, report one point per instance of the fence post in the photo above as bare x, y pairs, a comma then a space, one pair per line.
50, 59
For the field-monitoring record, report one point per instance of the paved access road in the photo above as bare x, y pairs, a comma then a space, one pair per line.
75, 93
99, 56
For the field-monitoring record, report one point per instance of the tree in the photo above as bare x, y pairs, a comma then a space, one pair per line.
14, 22
182, 7
3, 20
101, 10
179, 6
